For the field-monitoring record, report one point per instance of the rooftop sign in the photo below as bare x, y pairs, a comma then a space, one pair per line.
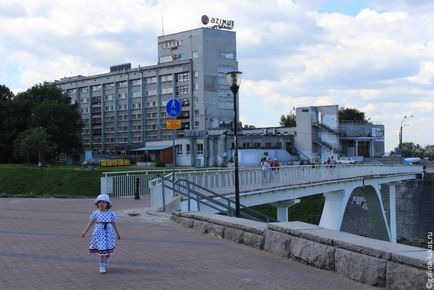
217, 23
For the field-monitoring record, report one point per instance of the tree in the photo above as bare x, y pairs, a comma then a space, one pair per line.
288, 120
44, 106
32, 144
6, 132
351, 114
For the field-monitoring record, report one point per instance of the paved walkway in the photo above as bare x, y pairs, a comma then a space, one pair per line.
42, 248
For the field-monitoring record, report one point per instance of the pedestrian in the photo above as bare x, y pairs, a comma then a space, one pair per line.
332, 162
264, 168
103, 240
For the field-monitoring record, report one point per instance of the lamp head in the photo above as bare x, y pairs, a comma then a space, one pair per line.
234, 78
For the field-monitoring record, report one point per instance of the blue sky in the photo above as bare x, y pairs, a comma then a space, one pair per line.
376, 56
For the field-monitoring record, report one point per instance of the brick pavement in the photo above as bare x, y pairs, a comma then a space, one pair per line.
42, 248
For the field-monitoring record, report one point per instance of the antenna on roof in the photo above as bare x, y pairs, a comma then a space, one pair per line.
162, 24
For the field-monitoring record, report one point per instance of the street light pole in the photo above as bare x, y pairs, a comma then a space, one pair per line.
234, 81
400, 135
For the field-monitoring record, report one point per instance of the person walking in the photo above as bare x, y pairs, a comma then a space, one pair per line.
264, 168
103, 240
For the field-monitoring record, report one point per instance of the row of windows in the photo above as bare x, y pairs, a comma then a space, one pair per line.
180, 149
180, 77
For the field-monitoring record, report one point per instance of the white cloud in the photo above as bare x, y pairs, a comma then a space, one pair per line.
291, 54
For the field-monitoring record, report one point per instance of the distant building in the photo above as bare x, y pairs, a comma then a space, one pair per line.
124, 110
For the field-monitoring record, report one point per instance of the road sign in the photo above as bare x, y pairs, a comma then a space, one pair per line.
173, 107
173, 124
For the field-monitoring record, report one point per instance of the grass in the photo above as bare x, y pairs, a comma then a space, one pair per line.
308, 210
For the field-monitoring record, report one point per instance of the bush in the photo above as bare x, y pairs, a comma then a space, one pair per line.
159, 163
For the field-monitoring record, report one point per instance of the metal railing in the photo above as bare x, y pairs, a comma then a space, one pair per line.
201, 195
255, 178
126, 183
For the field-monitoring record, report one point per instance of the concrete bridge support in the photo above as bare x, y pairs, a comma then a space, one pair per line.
282, 208
334, 209
336, 202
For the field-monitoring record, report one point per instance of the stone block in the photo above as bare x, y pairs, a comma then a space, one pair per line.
361, 268
312, 253
201, 226
234, 235
216, 230
277, 243
186, 222
403, 277
253, 240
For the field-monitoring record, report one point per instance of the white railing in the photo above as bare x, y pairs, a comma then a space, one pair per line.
124, 183
254, 178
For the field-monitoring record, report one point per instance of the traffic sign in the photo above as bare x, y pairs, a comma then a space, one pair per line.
173, 124
173, 107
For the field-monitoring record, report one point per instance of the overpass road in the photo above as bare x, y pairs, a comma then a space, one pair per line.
42, 248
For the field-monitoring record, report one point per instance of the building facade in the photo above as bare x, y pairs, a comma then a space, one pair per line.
124, 109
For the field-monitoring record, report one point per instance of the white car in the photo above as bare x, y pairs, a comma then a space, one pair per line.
346, 160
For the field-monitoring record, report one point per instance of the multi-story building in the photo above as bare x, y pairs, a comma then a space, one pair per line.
124, 109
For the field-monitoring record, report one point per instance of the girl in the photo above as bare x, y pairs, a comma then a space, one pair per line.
103, 240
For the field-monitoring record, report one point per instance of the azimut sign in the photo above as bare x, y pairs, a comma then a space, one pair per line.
217, 22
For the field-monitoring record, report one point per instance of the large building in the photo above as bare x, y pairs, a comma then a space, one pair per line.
124, 111
125, 108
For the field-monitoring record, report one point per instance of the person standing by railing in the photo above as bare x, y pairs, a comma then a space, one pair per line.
264, 168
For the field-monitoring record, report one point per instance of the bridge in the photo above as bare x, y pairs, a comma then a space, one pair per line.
213, 191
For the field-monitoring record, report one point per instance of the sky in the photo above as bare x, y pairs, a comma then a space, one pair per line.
375, 56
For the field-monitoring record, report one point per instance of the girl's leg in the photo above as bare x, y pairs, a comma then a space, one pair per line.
102, 264
106, 260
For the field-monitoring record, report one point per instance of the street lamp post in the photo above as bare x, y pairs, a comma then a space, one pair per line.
400, 135
234, 81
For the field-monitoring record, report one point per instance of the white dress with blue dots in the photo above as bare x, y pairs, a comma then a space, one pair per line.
103, 240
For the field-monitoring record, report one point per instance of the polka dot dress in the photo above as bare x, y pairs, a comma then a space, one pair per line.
103, 240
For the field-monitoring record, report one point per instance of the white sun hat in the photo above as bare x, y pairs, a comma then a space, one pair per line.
103, 197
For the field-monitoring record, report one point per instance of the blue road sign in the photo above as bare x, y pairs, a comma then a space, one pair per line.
173, 107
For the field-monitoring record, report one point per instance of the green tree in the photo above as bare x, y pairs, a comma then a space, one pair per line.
6, 132
288, 120
32, 144
429, 152
45, 106
351, 114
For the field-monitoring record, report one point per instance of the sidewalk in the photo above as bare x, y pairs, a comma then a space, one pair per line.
42, 248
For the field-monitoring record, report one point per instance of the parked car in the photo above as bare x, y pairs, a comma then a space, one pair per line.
346, 160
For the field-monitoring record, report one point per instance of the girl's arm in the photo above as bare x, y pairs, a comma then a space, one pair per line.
89, 225
116, 230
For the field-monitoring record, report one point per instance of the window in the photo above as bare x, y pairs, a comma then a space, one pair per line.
166, 78
151, 80
196, 112
196, 74
96, 88
136, 82
84, 90
187, 149
182, 90
246, 145
257, 145
85, 100
151, 92
226, 55
171, 43
199, 149
122, 85
137, 94
196, 123
167, 90
108, 97
183, 77
72, 91
196, 87
122, 96
108, 86
178, 149
195, 54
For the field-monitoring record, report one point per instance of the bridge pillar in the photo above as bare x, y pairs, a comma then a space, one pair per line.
282, 208
334, 209
392, 211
